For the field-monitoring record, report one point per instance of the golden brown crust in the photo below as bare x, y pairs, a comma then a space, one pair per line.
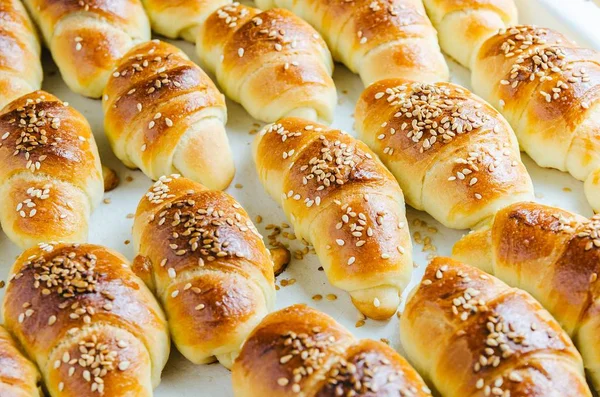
463, 25
165, 115
50, 176
111, 179
547, 88
62, 295
339, 196
18, 376
273, 63
461, 324
554, 255
453, 154
377, 39
87, 38
281, 259
20, 65
180, 18
208, 265
301, 350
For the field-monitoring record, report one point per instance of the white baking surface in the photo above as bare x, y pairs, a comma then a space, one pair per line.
111, 223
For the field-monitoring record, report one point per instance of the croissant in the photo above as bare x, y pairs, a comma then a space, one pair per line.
273, 63
463, 26
472, 335
377, 39
50, 173
454, 155
87, 37
339, 197
547, 88
180, 18
20, 66
88, 322
207, 263
18, 376
164, 115
299, 351
554, 255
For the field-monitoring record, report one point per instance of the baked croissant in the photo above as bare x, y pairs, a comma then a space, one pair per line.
299, 351
206, 262
50, 173
20, 65
180, 18
472, 335
163, 115
463, 26
547, 88
88, 322
340, 198
273, 63
87, 37
454, 155
378, 39
554, 255
18, 376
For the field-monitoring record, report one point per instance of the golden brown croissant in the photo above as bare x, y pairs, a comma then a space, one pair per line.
378, 39
464, 25
18, 376
272, 63
50, 173
472, 335
88, 322
339, 197
547, 88
20, 65
87, 37
554, 255
180, 18
207, 263
164, 115
454, 155
299, 351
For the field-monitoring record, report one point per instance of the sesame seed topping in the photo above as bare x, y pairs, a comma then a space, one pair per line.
429, 114
36, 131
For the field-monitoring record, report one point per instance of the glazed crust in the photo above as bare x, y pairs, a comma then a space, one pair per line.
86, 38
376, 39
554, 255
271, 62
472, 335
180, 18
207, 264
87, 321
301, 350
20, 65
464, 25
548, 89
454, 155
164, 115
18, 376
341, 198
50, 178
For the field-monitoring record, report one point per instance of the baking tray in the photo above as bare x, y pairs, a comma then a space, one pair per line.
302, 282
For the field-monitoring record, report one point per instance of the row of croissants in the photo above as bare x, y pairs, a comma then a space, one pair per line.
91, 323
88, 322
164, 115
